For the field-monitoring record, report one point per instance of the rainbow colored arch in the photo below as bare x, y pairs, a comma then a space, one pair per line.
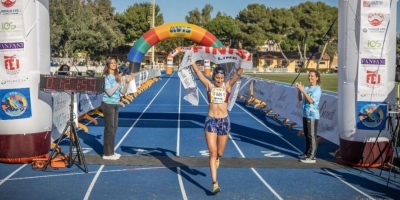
166, 31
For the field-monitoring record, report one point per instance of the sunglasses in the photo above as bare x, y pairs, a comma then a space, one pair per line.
220, 71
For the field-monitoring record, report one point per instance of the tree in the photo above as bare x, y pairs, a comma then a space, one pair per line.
200, 18
254, 23
398, 44
83, 26
224, 28
135, 21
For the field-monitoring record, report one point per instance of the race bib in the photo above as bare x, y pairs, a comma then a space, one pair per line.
218, 95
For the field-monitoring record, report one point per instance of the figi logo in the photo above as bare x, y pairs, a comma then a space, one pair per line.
375, 18
8, 3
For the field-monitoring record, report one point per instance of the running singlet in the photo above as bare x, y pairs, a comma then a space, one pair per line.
218, 95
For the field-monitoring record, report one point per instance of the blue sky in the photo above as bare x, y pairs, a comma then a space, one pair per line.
176, 10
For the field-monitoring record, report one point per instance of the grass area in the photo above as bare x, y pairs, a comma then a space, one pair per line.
329, 81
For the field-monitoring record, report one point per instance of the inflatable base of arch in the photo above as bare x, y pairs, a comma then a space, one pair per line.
33, 145
365, 154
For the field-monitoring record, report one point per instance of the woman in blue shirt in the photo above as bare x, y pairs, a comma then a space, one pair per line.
114, 87
310, 95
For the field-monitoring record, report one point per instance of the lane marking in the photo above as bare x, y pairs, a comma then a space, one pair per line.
122, 139
271, 145
82, 173
14, 172
178, 133
275, 133
272, 154
9, 176
348, 184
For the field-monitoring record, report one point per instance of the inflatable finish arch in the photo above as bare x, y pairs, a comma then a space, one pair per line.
166, 31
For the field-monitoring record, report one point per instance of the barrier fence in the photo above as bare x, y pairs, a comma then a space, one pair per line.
280, 101
88, 105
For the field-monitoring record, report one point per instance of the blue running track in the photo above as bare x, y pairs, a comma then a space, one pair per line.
164, 156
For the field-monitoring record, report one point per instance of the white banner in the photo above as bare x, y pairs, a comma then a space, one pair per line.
61, 112
241, 58
373, 81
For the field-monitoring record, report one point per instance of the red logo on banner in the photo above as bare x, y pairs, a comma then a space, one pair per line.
373, 78
11, 64
375, 18
8, 3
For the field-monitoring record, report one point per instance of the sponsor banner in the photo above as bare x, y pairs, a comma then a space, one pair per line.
11, 46
15, 104
372, 78
260, 89
368, 94
374, 19
264, 91
375, 4
10, 7
61, 101
282, 99
373, 81
371, 45
371, 115
11, 27
327, 125
372, 62
13, 66
88, 102
244, 89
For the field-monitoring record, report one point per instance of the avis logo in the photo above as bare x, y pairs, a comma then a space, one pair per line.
375, 18
11, 63
8, 3
179, 29
373, 78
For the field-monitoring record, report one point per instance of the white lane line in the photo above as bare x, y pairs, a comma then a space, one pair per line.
277, 134
14, 172
348, 184
93, 182
178, 132
241, 154
122, 139
9, 176
83, 173
266, 184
